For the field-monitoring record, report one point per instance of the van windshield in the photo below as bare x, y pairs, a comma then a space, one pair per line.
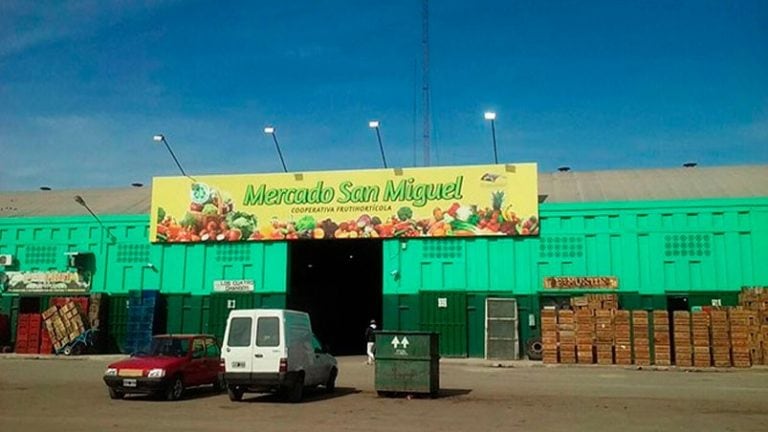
239, 332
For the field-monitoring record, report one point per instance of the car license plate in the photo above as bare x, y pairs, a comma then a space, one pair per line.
129, 383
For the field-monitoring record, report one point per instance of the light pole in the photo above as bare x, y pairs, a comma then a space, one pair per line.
490, 115
161, 138
78, 199
374, 124
269, 130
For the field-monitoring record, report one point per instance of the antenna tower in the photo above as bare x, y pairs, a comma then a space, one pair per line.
427, 126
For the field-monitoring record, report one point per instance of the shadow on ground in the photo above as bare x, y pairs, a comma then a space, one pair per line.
441, 394
310, 395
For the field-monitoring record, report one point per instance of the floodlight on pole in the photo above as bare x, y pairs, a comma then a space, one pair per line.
269, 130
161, 138
491, 116
374, 124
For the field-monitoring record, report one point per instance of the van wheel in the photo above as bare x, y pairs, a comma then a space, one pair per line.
235, 393
330, 385
175, 390
296, 390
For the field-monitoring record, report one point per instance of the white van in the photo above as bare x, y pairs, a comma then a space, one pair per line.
274, 350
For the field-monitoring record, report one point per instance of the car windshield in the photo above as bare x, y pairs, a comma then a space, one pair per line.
172, 347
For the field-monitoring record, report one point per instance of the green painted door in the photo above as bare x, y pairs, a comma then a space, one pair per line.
445, 313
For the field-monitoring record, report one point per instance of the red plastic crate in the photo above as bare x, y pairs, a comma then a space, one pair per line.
46, 346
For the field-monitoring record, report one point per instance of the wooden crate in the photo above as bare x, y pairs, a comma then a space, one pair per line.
566, 334
661, 339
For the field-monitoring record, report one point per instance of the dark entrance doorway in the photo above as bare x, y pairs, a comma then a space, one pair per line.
339, 283
674, 303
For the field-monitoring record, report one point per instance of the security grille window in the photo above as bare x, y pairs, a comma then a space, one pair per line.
240, 332
687, 245
132, 253
501, 329
233, 252
268, 332
443, 249
561, 247
41, 255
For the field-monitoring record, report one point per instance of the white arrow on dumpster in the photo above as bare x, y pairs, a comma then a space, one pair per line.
397, 342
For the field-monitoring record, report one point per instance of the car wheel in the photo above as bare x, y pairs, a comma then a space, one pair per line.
220, 385
67, 350
330, 385
235, 393
175, 390
114, 394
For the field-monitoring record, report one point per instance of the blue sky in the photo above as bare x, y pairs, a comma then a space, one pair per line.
594, 85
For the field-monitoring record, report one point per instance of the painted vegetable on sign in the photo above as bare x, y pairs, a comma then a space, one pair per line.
492, 200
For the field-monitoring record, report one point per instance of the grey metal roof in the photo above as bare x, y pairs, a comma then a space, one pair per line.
655, 184
559, 187
62, 203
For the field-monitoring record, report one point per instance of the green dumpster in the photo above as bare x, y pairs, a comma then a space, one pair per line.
407, 362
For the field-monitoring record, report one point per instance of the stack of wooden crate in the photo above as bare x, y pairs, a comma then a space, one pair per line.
604, 335
661, 340
739, 321
721, 339
682, 338
622, 337
701, 351
64, 324
95, 311
585, 335
594, 302
566, 334
549, 335
755, 299
640, 338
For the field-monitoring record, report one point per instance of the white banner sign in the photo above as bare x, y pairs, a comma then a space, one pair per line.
245, 285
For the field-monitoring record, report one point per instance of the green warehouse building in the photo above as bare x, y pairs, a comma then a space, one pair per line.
663, 238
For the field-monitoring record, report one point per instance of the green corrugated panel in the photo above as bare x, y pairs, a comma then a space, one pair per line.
476, 324
9, 305
185, 313
527, 305
220, 305
445, 313
117, 323
270, 301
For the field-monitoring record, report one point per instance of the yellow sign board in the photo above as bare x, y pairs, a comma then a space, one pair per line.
482, 200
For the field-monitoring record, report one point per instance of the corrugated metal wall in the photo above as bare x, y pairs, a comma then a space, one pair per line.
122, 263
652, 247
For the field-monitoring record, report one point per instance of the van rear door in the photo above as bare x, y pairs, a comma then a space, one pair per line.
268, 347
238, 346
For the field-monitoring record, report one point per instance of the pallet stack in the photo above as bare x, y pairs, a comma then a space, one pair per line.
604, 335
585, 336
682, 338
95, 311
64, 324
566, 334
549, 335
28, 334
739, 321
622, 337
701, 351
756, 300
661, 341
721, 338
641, 342
594, 302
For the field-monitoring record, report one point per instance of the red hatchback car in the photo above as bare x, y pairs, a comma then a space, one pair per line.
173, 364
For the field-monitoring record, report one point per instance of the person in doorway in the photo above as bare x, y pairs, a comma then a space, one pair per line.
370, 338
